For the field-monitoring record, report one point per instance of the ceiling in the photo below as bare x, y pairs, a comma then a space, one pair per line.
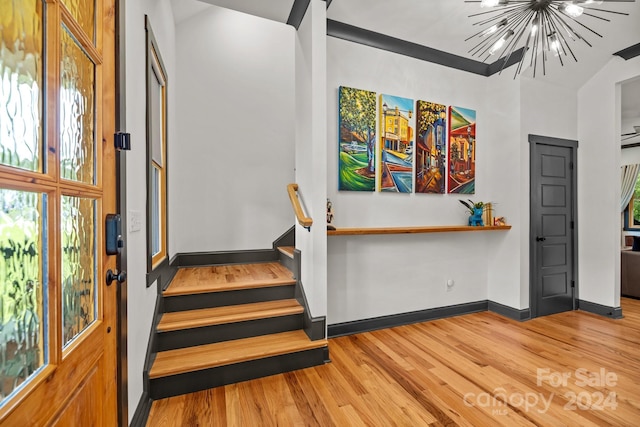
445, 24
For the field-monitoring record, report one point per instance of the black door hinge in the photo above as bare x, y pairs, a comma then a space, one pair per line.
122, 141
573, 283
572, 225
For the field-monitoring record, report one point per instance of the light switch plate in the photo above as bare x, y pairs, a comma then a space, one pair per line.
135, 221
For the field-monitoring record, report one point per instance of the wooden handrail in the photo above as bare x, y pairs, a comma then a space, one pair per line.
303, 220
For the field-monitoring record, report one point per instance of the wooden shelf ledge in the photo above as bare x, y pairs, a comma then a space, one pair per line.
413, 230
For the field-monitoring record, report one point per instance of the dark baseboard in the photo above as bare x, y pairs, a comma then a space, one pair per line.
163, 273
196, 259
314, 327
602, 310
366, 325
510, 312
141, 415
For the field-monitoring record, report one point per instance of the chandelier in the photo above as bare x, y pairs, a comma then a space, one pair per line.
536, 29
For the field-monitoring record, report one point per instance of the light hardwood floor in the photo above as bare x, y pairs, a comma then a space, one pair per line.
569, 369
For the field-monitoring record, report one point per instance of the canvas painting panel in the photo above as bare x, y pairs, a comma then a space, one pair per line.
356, 139
396, 144
431, 147
462, 150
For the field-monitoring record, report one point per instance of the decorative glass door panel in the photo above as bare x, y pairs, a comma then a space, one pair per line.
21, 89
79, 303
77, 112
22, 280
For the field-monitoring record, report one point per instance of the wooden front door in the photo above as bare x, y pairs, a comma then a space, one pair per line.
58, 329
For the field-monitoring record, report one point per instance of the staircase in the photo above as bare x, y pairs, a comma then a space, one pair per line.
230, 323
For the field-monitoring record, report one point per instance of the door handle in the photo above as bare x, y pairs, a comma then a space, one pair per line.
119, 277
540, 239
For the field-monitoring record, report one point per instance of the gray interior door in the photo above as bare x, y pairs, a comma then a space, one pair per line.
552, 225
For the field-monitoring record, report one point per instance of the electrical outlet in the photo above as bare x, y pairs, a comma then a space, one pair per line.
449, 285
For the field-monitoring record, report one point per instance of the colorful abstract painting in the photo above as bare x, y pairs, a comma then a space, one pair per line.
356, 139
396, 144
431, 147
462, 151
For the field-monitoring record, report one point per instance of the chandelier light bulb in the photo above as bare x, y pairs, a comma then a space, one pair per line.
535, 24
489, 3
500, 42
571, 9
554, 44
494, 28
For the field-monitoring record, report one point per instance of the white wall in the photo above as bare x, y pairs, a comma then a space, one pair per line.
141, 300
311, 154
505, 183
599, 158
234, 152
370, 276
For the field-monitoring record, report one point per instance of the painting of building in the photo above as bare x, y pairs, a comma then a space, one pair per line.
461, 162
396, 144
431, 147
356, 139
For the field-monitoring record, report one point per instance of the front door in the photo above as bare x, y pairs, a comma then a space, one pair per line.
58, 329
552, 225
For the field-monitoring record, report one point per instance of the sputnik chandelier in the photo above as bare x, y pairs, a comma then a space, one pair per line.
536, 29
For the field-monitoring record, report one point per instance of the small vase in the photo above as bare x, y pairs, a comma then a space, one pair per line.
476, 218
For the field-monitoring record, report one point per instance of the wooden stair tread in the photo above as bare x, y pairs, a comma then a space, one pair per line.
227, 314
221, 278
287, 250
174, 362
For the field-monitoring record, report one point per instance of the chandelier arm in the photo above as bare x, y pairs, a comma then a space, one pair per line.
607, 11
567, 25
517, 19
556, 25
584, 26
511, 46
516, 38
489, 41
505, 13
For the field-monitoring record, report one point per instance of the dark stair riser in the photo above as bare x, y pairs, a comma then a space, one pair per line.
190, 382
229, 331
287, 261
226, 298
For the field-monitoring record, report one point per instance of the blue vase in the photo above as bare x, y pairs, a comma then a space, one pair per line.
476, 218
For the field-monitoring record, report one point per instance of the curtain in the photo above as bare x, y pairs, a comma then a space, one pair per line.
629, 177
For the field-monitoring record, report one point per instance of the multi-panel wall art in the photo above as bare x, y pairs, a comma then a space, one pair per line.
462, 150
442, 159
431, 147
357, 139
396, 144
